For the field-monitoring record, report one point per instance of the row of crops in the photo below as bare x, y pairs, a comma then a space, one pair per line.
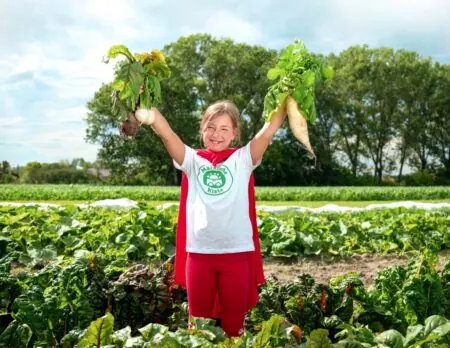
101, 277
171, 193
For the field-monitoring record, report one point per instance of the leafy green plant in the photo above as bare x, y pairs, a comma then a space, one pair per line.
137, 80
402, 296
136, 84
296, 72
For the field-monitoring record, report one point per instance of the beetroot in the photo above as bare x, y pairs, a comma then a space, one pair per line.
129, 129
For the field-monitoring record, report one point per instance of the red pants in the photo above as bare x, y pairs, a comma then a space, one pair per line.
226, 275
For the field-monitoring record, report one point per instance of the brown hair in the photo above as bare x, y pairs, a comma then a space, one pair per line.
219, 108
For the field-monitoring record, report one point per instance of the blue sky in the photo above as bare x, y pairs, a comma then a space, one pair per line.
51, 53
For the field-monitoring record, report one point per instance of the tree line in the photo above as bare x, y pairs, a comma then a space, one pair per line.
385, 110
76, 171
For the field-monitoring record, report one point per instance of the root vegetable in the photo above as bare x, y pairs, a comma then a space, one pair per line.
145, 116
298, 124
130, 127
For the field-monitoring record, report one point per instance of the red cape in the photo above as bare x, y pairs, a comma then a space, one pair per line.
256, 267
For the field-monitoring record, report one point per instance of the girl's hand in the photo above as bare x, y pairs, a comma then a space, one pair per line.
146, 116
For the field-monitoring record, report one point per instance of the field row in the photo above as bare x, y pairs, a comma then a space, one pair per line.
171, 193
145, 233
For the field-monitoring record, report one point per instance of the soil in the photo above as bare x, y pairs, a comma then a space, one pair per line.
325, 268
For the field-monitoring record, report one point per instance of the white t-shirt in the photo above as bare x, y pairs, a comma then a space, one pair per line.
217, 207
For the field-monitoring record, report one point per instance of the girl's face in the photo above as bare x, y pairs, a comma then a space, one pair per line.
218, 133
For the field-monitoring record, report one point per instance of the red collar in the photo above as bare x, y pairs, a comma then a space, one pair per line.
216, 157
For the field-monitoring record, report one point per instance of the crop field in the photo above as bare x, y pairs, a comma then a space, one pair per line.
91, 277
171, 193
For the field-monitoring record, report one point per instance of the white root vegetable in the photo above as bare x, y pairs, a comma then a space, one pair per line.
145, 116
298, 124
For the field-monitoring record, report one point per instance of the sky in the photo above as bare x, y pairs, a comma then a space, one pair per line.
51, 51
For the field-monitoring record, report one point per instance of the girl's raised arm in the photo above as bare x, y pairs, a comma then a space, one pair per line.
259, 144
174, 145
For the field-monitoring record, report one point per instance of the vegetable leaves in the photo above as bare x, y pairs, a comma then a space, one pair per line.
297, 72
137, 79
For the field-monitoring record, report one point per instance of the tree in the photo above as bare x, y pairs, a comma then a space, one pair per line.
415, 87
440, 117
380, 106
30, 173
6, 173
329, 106
350, 89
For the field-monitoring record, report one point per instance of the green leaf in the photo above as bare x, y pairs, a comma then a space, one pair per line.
435, 336
433, 322
441, 330
72, 337
98, 333
309, 78
120, 337
187, 339
273, 73
138, 342
413, 333
132, 249
319, 339
121, 238
391, 338
15, 335
118, 85
327, 72
214, 333
133, 75
153, 329
115, 50
281, 97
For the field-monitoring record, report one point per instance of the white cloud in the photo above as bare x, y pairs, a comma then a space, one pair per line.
226, 24
386, 23
109, 10
8, 121
64, 144
64, 115
12, 136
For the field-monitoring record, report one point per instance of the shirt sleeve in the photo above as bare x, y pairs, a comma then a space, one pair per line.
246, 157
188, 161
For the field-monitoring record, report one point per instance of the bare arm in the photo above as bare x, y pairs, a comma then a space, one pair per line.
259, 144
159, 124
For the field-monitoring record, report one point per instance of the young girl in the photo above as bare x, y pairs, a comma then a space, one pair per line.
218, 256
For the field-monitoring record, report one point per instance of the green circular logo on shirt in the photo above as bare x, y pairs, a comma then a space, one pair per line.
215, 181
